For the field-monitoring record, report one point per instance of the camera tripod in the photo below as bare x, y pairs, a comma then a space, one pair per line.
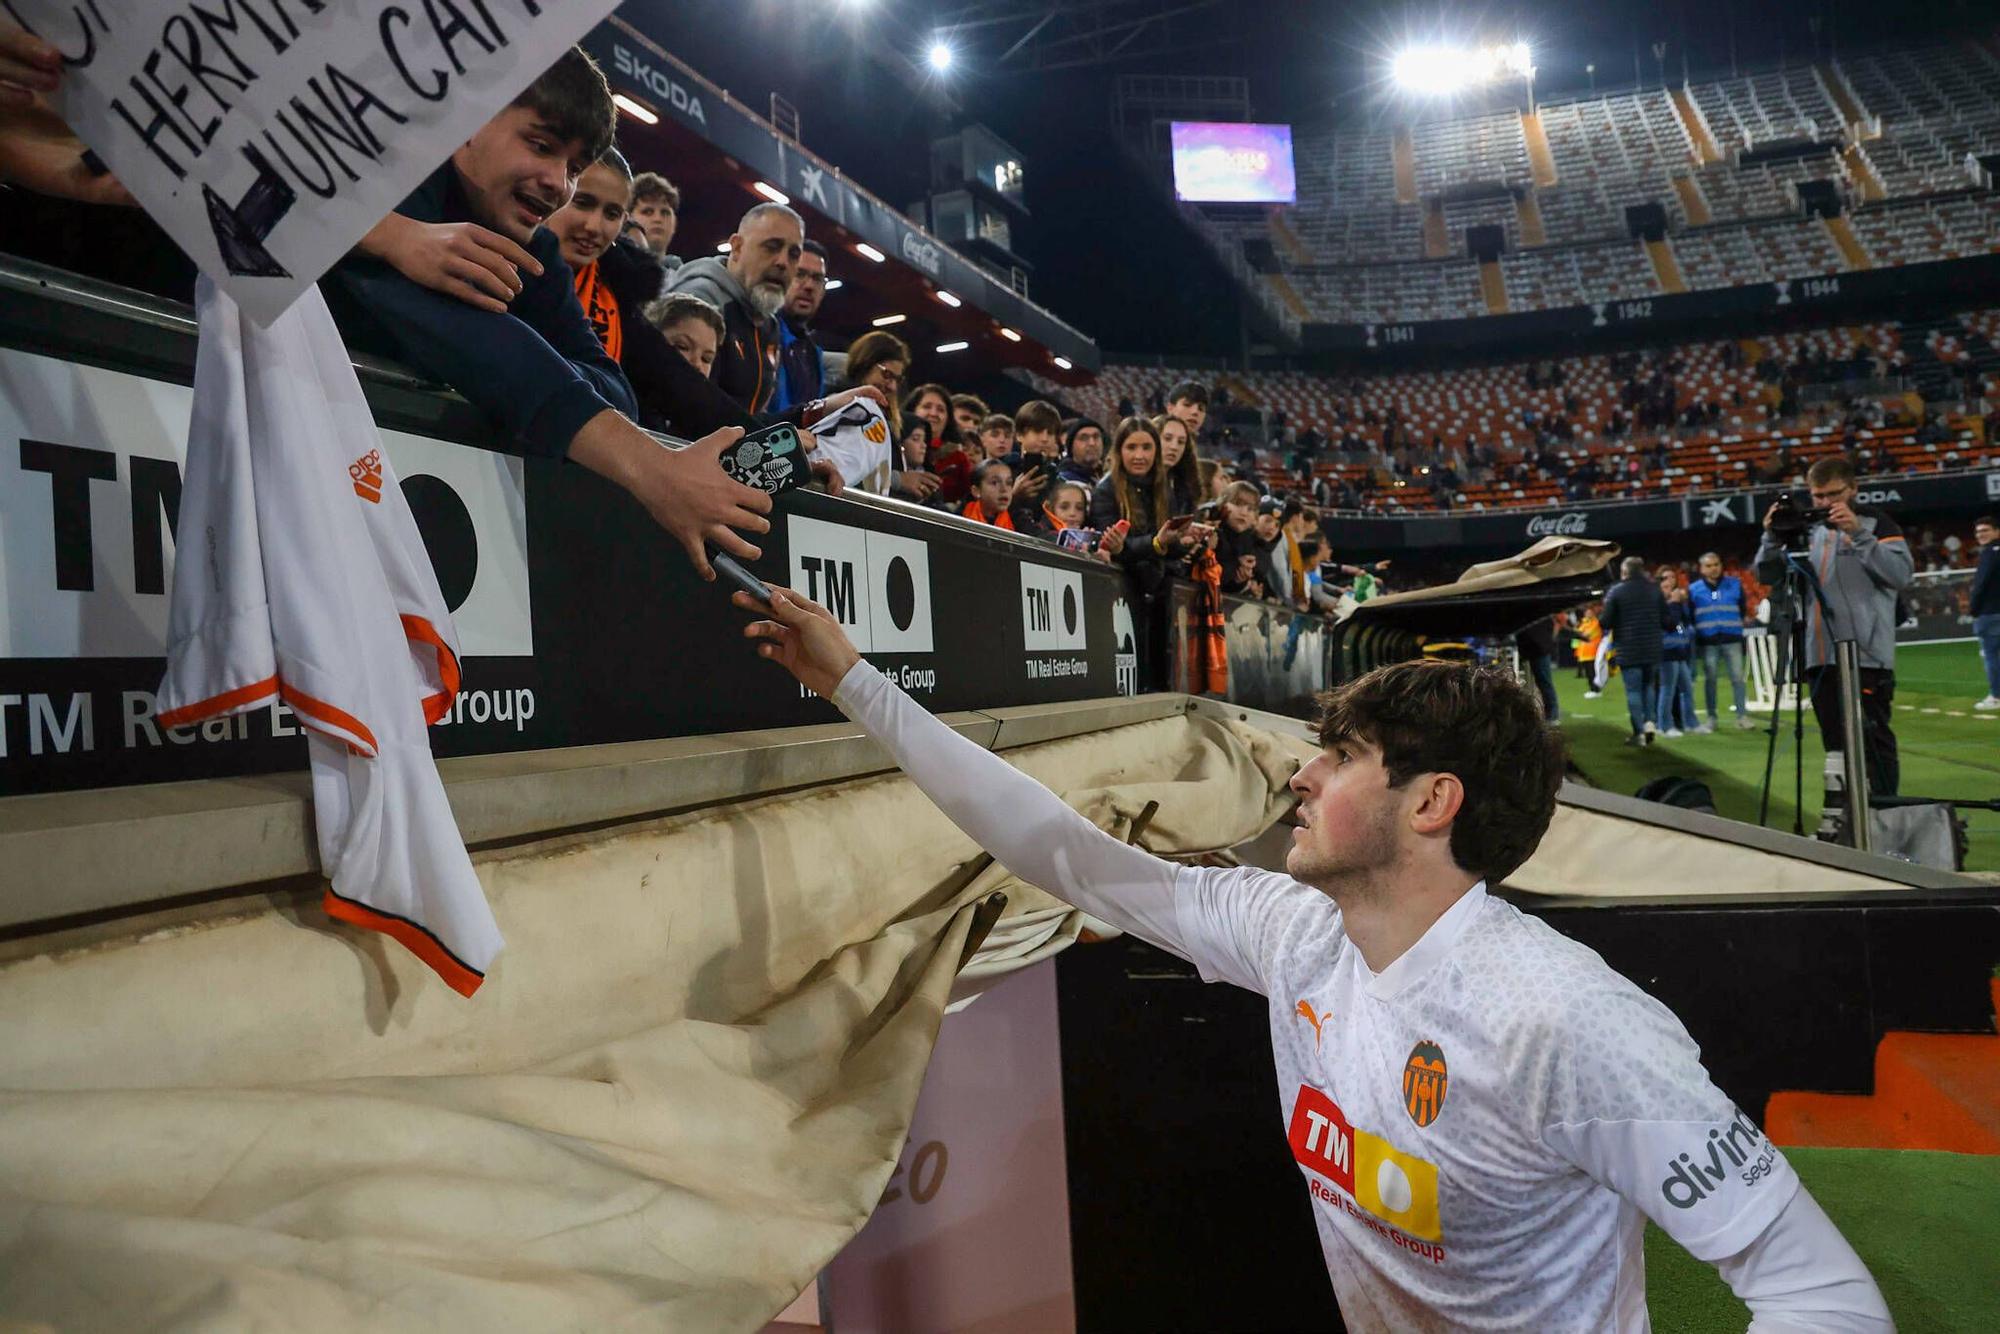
1790, 615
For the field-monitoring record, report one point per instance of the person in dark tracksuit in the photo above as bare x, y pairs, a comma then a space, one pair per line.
1635, 616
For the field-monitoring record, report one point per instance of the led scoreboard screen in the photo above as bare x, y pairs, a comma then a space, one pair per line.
1220, 162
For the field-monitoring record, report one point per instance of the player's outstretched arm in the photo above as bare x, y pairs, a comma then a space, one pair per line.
1800, 1274
1026, 827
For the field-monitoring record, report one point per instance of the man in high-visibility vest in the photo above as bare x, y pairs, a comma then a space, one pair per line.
1721, 610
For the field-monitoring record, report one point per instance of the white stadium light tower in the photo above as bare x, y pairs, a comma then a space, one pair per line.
1443, 70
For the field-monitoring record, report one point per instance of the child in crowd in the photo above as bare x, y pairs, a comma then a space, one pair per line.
691, 326
996, 436
992, 489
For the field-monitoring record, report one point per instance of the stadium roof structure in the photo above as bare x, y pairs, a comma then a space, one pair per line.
725, 157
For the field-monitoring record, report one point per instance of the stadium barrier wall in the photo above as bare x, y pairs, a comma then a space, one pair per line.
1823, 296
580, 622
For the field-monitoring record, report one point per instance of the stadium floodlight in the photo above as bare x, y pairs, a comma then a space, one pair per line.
1064, 363
940, 56
866, 251
958, 346
772, 193
1010, 335
887, 320
834, 284
722, 247
638, 111
949, 299
1443, 70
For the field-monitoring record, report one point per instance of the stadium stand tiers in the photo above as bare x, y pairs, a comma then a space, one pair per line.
1894, 140
1741, 441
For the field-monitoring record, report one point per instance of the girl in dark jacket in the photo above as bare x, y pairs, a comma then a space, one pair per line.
1131, 491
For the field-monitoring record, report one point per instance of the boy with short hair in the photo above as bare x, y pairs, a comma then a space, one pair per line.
656, 206
969, 412
996, 435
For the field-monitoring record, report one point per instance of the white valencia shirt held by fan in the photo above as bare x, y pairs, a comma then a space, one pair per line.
1484, 1126
300, 574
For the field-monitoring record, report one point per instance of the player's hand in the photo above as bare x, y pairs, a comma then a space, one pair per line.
460, 259
1838, 515
803, 638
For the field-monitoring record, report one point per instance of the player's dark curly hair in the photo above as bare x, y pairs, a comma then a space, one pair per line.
1476, 723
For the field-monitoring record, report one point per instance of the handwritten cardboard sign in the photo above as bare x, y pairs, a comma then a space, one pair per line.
268, 136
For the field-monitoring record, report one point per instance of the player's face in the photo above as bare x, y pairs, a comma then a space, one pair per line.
1347, 816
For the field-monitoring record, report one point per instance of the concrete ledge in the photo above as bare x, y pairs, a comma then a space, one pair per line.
74, 853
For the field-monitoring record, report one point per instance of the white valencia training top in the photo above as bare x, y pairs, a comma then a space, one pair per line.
1483, 1127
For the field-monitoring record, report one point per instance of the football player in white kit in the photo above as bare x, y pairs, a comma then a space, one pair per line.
1485, 1114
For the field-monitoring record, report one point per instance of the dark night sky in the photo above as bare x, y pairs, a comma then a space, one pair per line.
1109, 256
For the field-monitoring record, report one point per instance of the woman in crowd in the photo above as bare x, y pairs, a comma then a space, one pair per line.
1133, 490
947, 458
1180, 464
880, 360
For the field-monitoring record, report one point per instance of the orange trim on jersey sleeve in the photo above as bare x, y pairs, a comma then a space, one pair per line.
1898, 537
204, 709
457, 974
329, 718
438, 705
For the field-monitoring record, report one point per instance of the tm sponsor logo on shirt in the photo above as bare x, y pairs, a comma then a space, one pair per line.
1366, 1177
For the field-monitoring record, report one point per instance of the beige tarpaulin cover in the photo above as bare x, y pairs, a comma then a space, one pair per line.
1550, 558
680, 1093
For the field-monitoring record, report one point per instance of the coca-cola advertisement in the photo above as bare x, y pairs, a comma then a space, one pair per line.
1573, 524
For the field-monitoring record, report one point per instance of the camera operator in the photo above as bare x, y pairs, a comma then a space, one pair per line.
1861, 561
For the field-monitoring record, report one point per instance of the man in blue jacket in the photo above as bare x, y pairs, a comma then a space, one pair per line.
464, 283
1721, 610
1986, 605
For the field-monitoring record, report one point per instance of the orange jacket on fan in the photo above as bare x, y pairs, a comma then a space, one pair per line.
977, 513
600, 307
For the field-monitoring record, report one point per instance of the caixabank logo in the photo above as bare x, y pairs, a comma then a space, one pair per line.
1366, 1177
